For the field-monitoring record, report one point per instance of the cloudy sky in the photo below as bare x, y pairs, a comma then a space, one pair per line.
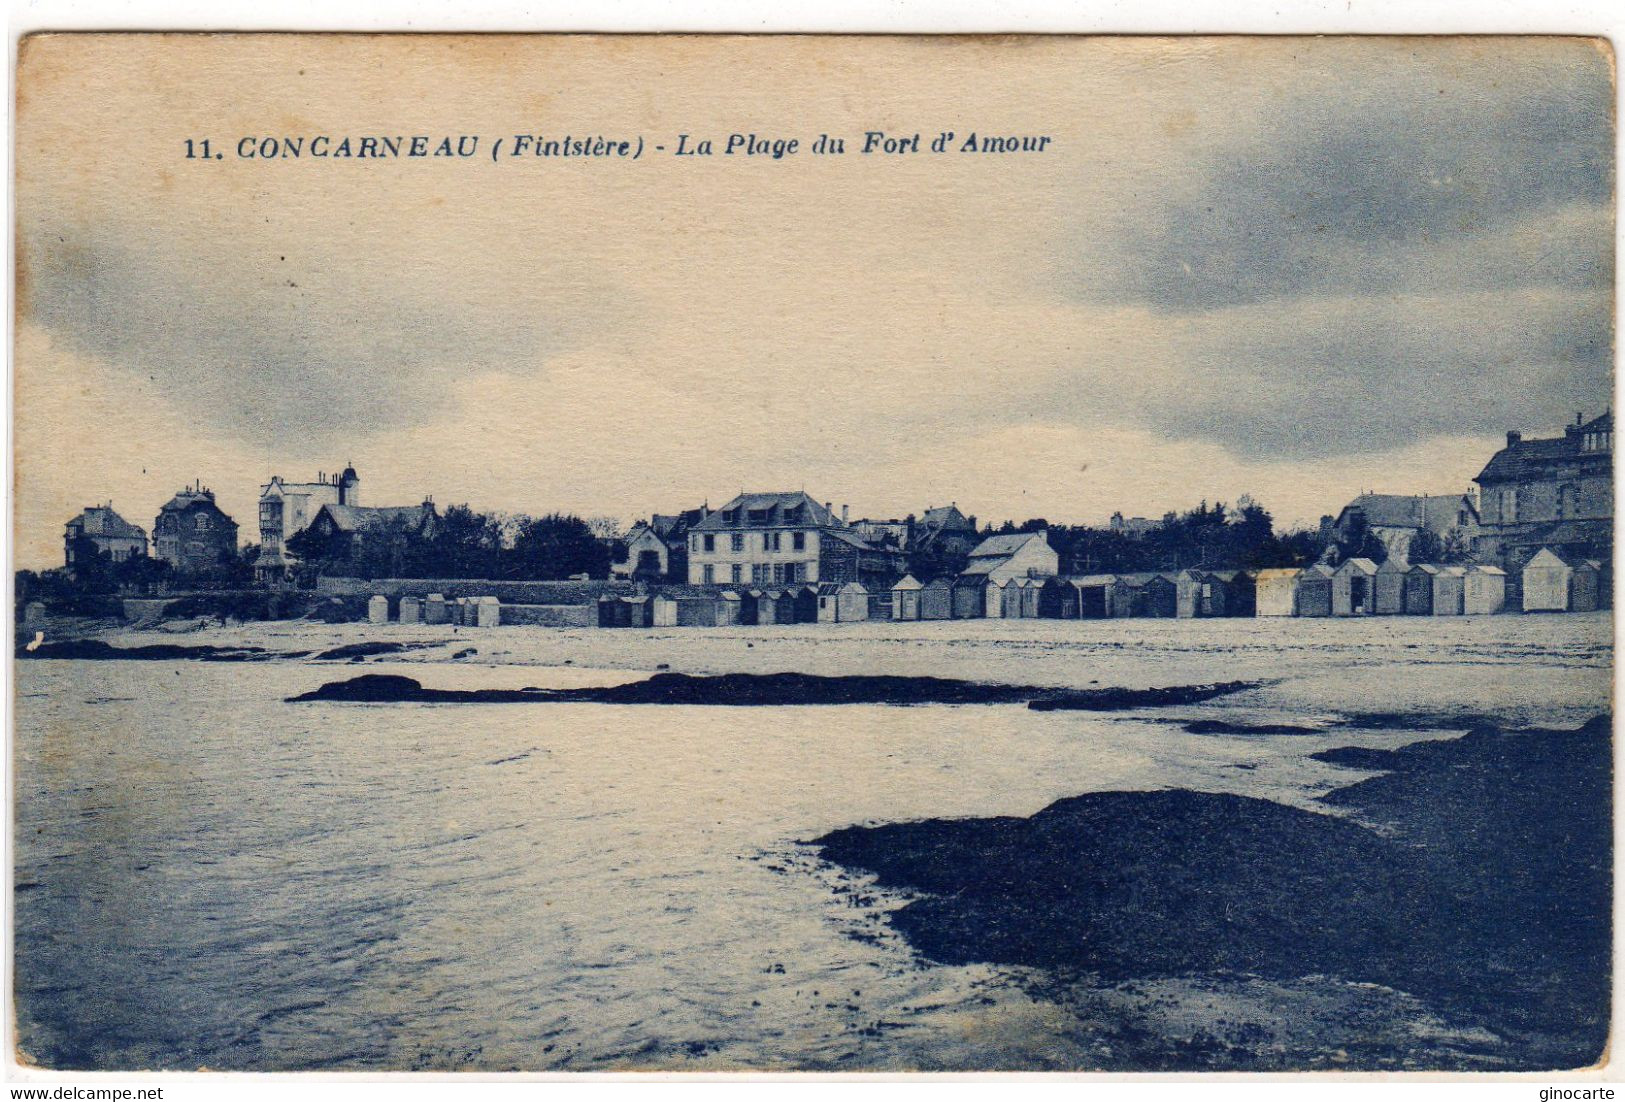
1292, 268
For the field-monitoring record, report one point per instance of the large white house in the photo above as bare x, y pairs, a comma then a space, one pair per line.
287, 508
783, 539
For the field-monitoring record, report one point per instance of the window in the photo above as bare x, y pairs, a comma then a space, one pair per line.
738, 542
737, 572
1566, 503
792, 572
708, 574
1509, 506
770, 541
710, 543
202, 522
799, 541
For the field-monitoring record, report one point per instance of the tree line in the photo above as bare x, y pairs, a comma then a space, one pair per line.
459, 543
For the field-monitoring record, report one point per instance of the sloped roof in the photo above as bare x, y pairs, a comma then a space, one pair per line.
776, 506
1524, 459
667, 525
1092, 580
1363, 566
845, 536
355, 518
188, 498
100, 520
1546, 557
1275, 572
1435, 511
1004, 546
908, 581
945, 516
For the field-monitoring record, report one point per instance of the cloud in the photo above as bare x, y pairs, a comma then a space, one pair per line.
301, 338
1288, 266
1340, 186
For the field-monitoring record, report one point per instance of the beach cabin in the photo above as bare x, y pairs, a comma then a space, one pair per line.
842, 603
664, 609
772, 608
905, 598
434, 609
1353, 588
1201, 593
1483, 591
803, 603
852, 602
613, 612
1188, 593
937, 599
993, 595
1275, 592
1237, 589
1388, 588
1586, 587
1546, 580
688, 609
879, 604
639, 611
1030, 590
829, 608
1097, 596
1155, 595
750, 608
1056, 599
1314, 591
970, 596
729, 608
1418, 600
1449, 591
708, 610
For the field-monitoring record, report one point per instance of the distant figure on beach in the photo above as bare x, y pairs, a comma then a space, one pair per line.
34, 643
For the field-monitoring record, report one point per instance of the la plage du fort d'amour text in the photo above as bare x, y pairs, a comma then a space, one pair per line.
340, 147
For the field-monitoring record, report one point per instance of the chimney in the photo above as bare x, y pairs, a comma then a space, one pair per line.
1579, 418
1514, 439
843, 514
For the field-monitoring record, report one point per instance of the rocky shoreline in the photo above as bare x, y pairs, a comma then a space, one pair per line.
1474, 874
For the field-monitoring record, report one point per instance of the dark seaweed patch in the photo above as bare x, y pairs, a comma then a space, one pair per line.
1486, 891
777, 689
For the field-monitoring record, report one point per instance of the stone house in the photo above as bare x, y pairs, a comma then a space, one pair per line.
1555, 492
99, 530
288, 508
193, 534
657, 549
1395, 519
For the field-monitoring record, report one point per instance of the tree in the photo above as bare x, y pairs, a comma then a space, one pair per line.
466, 544
558, 546
1358, 541
1425, 546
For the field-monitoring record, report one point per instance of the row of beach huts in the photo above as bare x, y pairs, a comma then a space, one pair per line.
1358, 587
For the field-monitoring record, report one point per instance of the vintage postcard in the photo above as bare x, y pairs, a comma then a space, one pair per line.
571, 553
